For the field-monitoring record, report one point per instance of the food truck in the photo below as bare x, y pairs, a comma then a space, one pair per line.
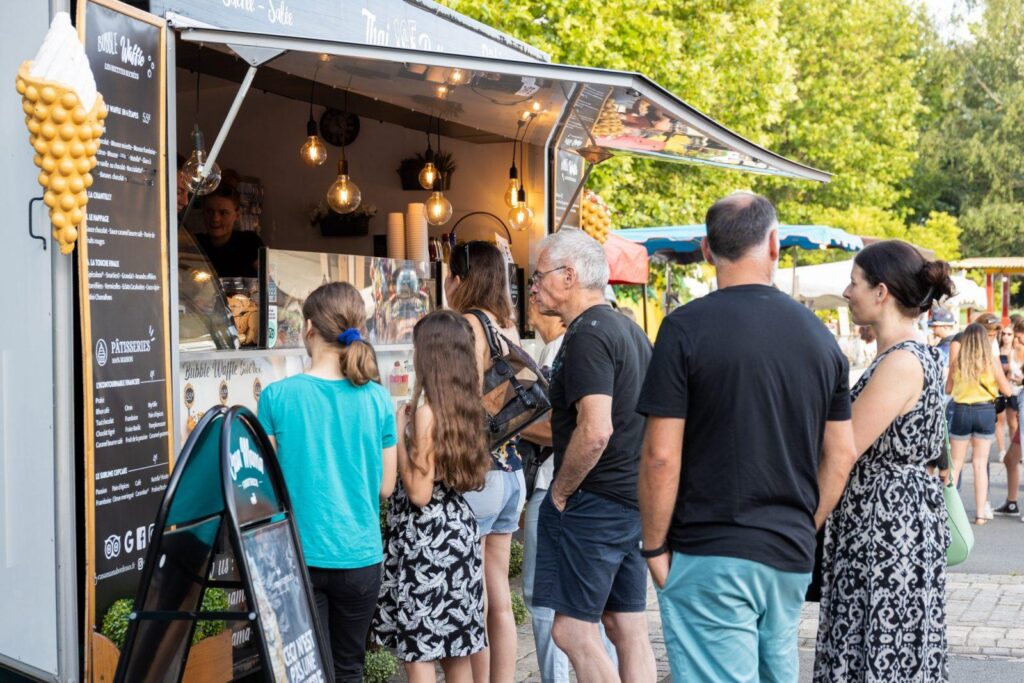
319, 117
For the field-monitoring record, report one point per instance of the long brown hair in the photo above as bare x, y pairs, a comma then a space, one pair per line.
975, 357
484, 274
446, 373
333, 308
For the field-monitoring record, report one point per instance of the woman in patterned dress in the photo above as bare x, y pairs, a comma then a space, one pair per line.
477, 283
431, 601
883, 608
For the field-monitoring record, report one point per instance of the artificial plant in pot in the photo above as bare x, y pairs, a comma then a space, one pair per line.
410, 167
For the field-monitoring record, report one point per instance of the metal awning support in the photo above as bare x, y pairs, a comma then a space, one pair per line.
255, 56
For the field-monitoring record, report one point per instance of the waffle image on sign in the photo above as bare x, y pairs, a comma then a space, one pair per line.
64, 115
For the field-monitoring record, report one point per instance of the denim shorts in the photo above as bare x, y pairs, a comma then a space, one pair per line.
498, 505
973, 420
588, 558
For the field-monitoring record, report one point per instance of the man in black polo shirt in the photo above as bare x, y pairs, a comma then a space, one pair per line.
588, 567
748, 406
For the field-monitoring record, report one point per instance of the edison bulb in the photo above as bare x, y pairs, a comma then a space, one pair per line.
521, 216
438, 208
457, 76
343, 196
313, 151
193, 168
428, 175
512, 193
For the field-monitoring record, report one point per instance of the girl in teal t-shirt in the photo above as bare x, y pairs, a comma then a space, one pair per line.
334, 430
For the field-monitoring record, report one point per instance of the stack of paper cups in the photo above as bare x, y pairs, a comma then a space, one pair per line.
396, 235
416, 236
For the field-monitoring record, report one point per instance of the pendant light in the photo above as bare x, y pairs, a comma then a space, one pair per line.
193, 168
344, 196
511, 195
437, 207
313, 151
428, 174
521, 215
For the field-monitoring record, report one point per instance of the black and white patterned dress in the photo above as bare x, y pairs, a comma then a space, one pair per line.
883, 604
431, 597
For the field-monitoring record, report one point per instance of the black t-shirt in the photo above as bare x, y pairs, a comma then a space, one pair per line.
756, 376
237, 257
604, 353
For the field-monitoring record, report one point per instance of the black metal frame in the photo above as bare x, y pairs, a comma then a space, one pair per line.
228, 517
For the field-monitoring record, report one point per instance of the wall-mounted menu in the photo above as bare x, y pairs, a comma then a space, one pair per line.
583, 112
123, 268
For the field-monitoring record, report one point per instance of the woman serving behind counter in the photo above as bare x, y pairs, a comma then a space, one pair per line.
233, 253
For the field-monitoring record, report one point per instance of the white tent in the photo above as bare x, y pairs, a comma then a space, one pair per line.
822, 286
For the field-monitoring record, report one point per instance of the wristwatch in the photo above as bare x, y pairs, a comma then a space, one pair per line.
653, 552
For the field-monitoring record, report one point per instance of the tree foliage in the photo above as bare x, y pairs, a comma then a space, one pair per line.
972, 151
831, 83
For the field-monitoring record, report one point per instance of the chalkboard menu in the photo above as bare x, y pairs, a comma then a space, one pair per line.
124, 299
286, 621
568, 169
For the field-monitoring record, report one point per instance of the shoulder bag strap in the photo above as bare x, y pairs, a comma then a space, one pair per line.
492, 342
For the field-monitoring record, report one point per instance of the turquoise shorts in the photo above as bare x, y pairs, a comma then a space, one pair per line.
727, 619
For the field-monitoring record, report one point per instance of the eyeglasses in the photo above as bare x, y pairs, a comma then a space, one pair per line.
539, 275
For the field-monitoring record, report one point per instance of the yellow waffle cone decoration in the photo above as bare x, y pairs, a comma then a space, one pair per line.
65, 137
596, 216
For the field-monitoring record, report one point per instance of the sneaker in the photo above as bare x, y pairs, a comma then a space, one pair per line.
1008, 508
988, 511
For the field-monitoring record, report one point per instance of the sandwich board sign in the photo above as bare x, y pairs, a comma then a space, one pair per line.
226, 498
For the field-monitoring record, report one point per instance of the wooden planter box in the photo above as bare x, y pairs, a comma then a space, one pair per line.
344, 225
411, 180
209, 660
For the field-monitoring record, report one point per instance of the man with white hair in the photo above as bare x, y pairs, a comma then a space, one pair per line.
747, 450
589, 569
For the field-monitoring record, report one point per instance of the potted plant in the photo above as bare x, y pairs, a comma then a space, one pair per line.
209, 660
332, 224
410, 167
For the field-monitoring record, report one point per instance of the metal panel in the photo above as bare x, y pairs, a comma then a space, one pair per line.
28, 523
419, 24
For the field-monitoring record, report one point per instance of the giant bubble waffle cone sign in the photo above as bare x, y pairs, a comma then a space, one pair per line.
64, 115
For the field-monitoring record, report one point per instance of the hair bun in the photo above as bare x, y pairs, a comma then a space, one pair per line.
936, 278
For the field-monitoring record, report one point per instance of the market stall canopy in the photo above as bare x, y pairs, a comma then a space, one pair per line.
1004, 265
627, 261
686, 238
822, 286
485, 99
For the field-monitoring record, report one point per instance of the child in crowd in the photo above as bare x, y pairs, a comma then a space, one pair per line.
334, 430
431, 600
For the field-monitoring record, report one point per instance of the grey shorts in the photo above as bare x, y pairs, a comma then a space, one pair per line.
498, 505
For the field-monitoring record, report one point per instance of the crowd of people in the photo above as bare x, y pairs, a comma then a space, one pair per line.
730, 463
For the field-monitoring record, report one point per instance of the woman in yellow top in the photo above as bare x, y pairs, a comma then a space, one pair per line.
975, 379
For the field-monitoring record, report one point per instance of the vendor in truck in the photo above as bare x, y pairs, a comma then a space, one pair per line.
232, 252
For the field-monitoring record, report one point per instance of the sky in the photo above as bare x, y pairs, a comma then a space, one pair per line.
950, 14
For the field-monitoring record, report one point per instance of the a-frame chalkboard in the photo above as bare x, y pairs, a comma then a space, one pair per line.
227, 484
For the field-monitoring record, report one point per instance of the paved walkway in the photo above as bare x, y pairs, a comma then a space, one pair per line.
985, 616
985, 612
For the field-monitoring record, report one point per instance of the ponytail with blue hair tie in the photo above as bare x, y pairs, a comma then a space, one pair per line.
349, 336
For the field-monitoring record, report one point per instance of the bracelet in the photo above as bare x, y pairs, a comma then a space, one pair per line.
654, 552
